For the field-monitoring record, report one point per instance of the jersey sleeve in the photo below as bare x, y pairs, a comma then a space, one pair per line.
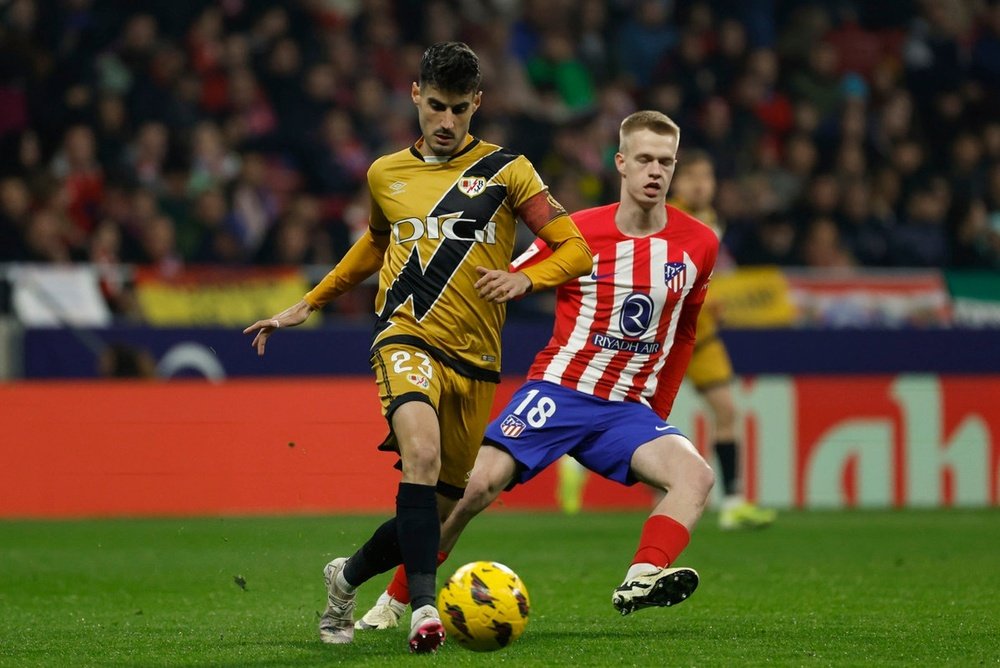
677, 360
362, 260
570, 256
523, 183
680, 353
699, 291
534, 205
377, 221
559, 254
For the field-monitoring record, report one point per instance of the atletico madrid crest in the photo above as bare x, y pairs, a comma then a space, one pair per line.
472, 185
675, 276
512, 426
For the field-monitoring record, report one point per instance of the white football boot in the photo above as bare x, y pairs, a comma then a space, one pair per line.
662, 588
426, 630
384, 614
336, 626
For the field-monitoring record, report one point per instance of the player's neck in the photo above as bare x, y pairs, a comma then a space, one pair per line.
429, 156
635, 221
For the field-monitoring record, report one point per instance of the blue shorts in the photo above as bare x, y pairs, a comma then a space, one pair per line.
545, 421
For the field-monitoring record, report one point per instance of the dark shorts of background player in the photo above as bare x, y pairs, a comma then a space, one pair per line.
406, 373
545, 421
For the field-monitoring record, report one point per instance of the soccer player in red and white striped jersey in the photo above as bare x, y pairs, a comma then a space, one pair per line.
625, 332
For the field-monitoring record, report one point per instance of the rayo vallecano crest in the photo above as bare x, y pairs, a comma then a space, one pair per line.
472, 185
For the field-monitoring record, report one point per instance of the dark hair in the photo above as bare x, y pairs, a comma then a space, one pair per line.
451, 67
693, 156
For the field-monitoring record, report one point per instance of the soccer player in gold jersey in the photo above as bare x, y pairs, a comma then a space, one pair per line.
601, 402
710, 369
441, 234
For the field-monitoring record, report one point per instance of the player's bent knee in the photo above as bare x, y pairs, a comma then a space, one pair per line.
692, 470
478, 495
421, 464
702, 477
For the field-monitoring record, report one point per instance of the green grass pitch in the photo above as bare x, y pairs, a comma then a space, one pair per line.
848, 588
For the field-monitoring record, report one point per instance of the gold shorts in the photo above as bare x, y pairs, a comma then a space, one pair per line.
463, 405
710, 365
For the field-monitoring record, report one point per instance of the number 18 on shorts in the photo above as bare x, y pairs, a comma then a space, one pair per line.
544, 421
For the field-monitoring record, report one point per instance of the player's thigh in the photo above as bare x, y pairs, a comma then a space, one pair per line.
404, 374
542, 422
494, 471
623, 428
710, 365
719, 397
463, 412
666, 460
410, 386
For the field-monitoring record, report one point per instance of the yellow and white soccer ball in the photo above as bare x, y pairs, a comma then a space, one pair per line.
484, 606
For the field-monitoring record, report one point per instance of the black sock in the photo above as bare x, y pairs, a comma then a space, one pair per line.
419, 532
378, 555
726, 452
422, 582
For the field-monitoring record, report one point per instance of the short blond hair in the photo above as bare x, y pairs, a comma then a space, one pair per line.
647, 119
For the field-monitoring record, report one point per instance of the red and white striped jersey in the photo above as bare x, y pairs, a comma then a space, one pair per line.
626, 331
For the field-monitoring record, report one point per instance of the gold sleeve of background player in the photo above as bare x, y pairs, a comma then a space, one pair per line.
363, 259
571, 257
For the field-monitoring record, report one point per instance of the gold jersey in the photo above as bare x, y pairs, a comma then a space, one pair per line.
710, 365
706, 215
444, 218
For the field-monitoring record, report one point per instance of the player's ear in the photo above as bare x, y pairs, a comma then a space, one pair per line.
415, 93
476, 101
620, 163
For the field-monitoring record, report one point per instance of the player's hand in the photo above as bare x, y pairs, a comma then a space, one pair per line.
498, 286
290, 317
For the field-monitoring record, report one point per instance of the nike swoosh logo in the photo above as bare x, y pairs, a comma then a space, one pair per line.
596, 277
663, 428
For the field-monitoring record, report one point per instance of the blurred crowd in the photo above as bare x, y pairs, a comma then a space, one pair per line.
165, 133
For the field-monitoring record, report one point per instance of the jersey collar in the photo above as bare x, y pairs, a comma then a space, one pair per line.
470, 144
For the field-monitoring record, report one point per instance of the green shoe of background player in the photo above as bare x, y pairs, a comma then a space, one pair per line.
745, 515
572, 480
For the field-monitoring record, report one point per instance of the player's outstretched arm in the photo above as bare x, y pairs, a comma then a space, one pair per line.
360, 261
290, 317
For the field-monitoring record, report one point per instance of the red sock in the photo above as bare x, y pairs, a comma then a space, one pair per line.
661, 542
399, 588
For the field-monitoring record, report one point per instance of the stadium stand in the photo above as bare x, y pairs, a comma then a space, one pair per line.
167, 135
